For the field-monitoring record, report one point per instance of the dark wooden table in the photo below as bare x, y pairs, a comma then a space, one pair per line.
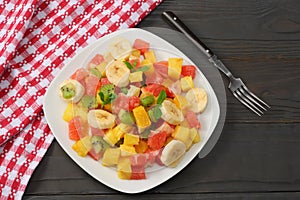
255, 157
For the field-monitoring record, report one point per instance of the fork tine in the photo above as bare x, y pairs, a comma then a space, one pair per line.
248, 101
245, 103
254, 96
246, 93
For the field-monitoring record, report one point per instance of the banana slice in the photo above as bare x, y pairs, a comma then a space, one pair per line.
118, 73
101, 119
172, 152
120, 48
197, 98
176, 162
71, 90
170, 113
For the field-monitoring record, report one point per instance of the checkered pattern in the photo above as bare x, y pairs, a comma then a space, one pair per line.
36, 39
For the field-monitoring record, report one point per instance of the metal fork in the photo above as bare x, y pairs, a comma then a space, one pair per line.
240, 91
236, 85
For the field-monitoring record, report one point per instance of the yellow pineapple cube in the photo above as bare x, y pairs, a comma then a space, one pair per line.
197, 135
86, 141
141, 118
113, 135
111, 157
102, 68
68, 113
149, 64
145, 62
149, 55
82, 146
124, 175
193, 135
110, 137
124, 168
127, 150
150, 70
186, 83
181, 102
79, 148
174, 68
136, 53
136, 77
183, 134
131, 139
180, 130
124, 164
118, 132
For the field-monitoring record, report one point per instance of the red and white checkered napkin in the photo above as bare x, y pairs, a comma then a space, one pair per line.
37, 37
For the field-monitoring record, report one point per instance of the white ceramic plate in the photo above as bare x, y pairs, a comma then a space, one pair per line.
54, 108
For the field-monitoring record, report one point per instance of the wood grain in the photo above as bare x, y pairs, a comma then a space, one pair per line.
247, 158
223, 196
233, 19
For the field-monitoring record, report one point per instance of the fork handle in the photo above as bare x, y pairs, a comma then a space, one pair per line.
180, 26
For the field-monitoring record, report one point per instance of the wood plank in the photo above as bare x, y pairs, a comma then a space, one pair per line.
280, 90
223, 196
247, 158
252, 20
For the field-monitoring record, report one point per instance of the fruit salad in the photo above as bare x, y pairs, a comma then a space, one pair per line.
128, 110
